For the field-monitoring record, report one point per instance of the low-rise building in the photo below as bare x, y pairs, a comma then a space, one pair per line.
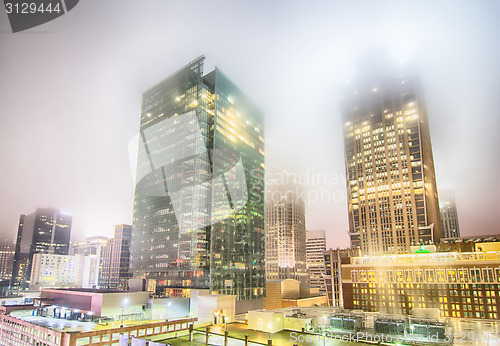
334, 258
62, 271
462, 285
290, 293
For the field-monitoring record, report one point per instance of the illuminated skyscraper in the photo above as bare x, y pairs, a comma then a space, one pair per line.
449, 215
286, 235
391, 184
199, 198
45, 231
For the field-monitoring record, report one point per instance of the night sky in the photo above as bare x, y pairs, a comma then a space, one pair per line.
70, 96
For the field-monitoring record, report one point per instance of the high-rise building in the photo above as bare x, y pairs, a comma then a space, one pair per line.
47, 230
286, 235
199, 198
449, 215
115, 269
7, 252
315, 246
334, 259
391, 184
94, 247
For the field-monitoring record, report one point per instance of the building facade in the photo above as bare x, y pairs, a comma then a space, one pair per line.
199, 198
286, 256
47, 230
449, 214
93, 247
18, 331
461, 285
61, 271
315, 247
115, 269
7, 252
482, 243
391, 184
332, 274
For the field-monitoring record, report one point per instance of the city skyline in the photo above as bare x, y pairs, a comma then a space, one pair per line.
78, 130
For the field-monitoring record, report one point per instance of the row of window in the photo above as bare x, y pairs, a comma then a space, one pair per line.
450, 275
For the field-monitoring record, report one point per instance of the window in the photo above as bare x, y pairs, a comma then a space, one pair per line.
429, 274
488, 274
409, 275
475, 275
440, 275
354, 276
362, 275
452, 275
399, 275
463, 275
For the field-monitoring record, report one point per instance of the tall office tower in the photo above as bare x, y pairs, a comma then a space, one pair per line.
286, 235
391, 185
115, 270
47, 230
7, 251
449, 215
199, 197
334, 259
93, 247
315, 246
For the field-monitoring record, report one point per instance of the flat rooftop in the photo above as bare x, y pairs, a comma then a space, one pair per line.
87, 290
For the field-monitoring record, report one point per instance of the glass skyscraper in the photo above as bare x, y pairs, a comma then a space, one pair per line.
391, 184
199, 197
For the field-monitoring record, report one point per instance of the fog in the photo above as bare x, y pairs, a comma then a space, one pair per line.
70, 96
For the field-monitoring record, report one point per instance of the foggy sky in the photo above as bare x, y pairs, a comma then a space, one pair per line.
70, 96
